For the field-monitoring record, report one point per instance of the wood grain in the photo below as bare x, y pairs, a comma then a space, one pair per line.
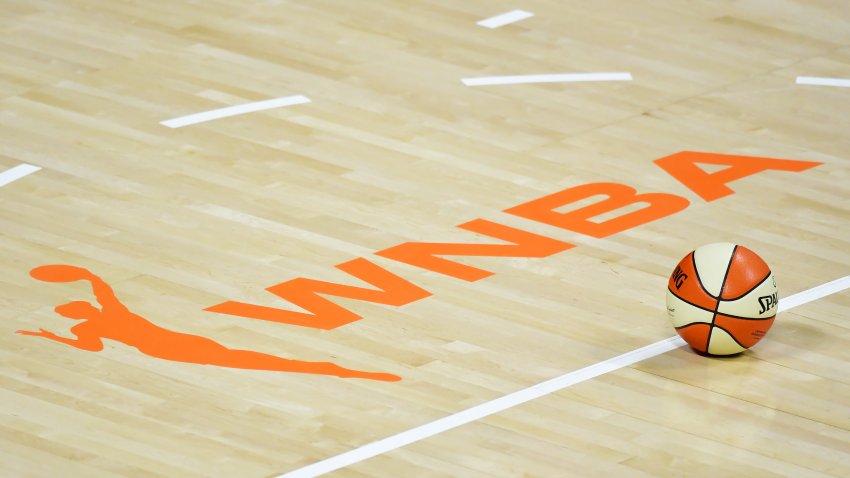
393, 148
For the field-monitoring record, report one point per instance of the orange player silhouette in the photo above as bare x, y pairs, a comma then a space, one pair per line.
114, 321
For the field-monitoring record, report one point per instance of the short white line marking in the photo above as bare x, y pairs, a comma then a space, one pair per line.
235, 110
505, 19
815, 80
535, 391
546, 78
19, 171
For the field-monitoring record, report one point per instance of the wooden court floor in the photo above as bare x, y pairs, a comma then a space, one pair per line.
254, 294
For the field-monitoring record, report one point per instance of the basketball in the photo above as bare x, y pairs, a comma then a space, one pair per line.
722, 298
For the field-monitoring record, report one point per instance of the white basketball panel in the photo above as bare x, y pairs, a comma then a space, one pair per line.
721, 343
682, 313
712, 261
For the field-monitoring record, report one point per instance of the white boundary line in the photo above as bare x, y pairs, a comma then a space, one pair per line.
506, 18
17, 172
546, 78
819, 81
235, 110
535, 391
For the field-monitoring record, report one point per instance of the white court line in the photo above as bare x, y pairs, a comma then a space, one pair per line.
535, 391
506, 18
19, 171
483, 410
546, 78
815, 293
815, 80
235, 110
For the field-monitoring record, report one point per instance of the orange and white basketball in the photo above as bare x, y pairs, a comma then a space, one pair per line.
722, 298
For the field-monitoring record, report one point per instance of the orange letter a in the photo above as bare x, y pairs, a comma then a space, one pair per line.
682, 166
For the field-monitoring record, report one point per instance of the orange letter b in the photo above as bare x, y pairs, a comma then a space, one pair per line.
658, 205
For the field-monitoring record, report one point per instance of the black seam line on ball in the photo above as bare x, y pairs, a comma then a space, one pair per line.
717, 306
721, 313
699, 281
732, 335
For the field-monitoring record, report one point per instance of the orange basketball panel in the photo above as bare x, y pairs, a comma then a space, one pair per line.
745, 331
745, 272
696, 335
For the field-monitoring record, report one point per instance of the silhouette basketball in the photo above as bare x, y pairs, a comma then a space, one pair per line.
722, 298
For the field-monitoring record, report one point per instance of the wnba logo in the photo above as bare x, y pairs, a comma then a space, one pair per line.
114, 321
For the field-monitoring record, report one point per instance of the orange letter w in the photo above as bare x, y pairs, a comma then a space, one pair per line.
392, 290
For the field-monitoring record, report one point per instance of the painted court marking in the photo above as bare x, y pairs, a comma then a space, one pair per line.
815, 293
546, 78
819, 81
19, 171
235, 110
535, 391
506, 18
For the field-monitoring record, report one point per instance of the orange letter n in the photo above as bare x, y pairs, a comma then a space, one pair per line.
524, 244
392, 290
657, 205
